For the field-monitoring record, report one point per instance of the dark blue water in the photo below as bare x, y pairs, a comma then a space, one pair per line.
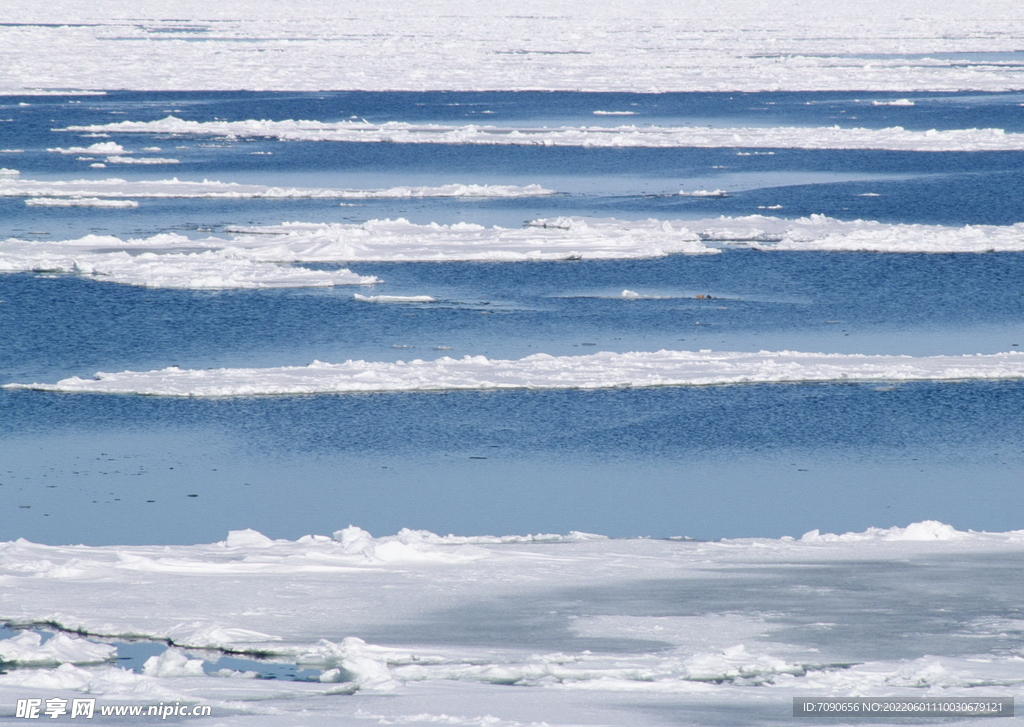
704, 462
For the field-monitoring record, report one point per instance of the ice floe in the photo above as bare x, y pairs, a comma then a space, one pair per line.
80, 202
451, 190
158, 262
176, 188
393, 298
820, 232
832, 137
705, 193
250, 257
100, 147
258, 256
543, 371
400, 240
119, 159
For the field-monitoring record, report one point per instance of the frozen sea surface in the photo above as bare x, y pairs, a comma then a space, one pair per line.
728, 45
420, 629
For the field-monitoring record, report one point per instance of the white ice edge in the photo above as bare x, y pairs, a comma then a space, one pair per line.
543, 371
834, 137
175, 188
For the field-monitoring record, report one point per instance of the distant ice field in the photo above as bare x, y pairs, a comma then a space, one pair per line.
723, 46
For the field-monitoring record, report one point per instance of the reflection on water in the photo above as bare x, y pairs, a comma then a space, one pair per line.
704, 462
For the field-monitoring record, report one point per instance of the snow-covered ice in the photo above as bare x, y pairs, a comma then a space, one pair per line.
543, 371
565, 630
398, 132
164, 261
253, 257
726, 45
120, 159
28, 649
258, 256
820, 232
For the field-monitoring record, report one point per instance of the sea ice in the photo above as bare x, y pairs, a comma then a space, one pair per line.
80, 202
28, 649
542, 371
727, 45
588, 630
832, 137
212, 189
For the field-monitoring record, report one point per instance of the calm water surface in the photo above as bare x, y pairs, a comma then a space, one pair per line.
703, 462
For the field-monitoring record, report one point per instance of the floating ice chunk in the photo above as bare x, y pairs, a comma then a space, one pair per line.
451, 190
630, 294
140, 160
400, 240
102, 147
110, 259
832, 137
206, 636
542, 371
5, 172
614, 113
393, 298
173, 663
705, 193
28, 649
819, 232
80, 202
897, 102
